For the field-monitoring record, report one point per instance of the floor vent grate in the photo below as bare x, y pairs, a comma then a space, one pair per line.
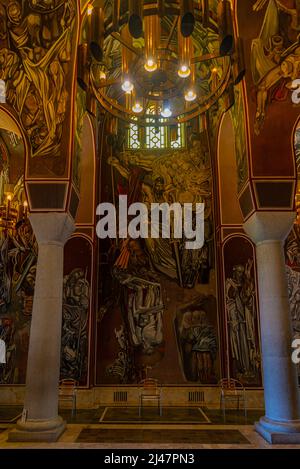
120, 396
196, 396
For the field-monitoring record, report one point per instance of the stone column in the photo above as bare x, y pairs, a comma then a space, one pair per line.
41, 421
281, 423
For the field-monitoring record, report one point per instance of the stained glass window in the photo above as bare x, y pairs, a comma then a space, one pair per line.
156, 136
133, 134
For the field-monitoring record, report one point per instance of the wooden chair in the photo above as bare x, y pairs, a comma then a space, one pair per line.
232, 390
150, 390
68, 391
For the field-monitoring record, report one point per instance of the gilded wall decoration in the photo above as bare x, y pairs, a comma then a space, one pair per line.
275, 55
35, 62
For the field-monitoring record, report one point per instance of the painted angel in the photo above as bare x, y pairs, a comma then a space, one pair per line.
271, 60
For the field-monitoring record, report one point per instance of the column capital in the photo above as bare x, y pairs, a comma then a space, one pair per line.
52, 227
271, 226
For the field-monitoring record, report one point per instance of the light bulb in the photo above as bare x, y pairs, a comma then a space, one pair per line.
150, 65
25, 204
102, 75
184, 71
137, 107
190, 95
9, 198
127, 86
90, 9
166, 111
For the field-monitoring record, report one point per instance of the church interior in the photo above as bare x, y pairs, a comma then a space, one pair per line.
140, 340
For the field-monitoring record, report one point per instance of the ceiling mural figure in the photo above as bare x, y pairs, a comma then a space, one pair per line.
35, 54
275, 55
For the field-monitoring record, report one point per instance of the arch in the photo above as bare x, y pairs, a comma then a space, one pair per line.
227, 175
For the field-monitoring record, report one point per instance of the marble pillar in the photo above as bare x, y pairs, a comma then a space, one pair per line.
281, 423
40, 421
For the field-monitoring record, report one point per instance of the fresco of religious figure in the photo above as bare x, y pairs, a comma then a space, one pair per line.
292, 254
74, 343
17, 269
147, 281
35, 53
197, 338
241, 315
184, 179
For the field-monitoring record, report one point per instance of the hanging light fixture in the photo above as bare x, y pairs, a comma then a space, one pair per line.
161, 8
116, 15
90, 9
96, 32
187, 17
190, 93
184, 55
137, 107
127, 84
205, 12
152, 40
137, 103
166, 109
161, 94
82, 69
226, 31
238, 62
135, 21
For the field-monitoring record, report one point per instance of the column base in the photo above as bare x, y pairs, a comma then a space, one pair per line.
38, 430
279, 433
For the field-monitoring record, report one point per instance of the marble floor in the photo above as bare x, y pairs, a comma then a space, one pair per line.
88, 431
247, 437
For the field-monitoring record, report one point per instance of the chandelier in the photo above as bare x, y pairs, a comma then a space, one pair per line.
166, 60
11, 211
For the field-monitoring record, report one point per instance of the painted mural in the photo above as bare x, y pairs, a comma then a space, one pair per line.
238, 120
17, 275
292, 257
297, 148
275, 55
197, 335
76, 310
241, 312
158, 310
35, 58
18, 259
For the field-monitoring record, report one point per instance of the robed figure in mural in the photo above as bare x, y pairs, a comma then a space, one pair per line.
74, 329
240, 306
